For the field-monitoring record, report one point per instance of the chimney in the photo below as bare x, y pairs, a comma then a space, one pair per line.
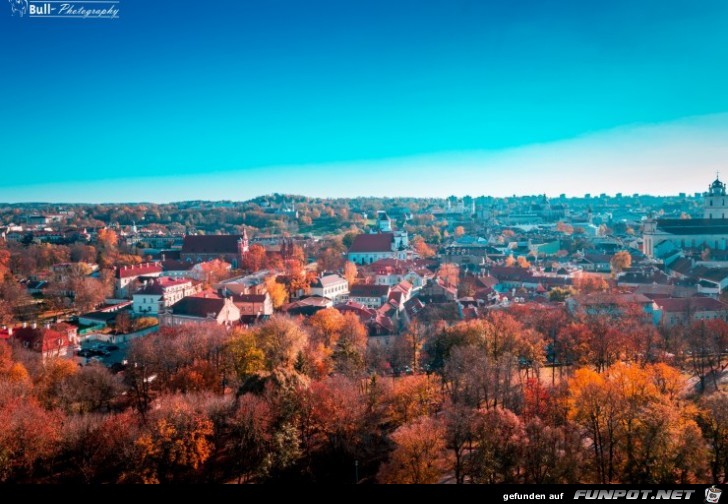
35, 325
25, 324
10, 331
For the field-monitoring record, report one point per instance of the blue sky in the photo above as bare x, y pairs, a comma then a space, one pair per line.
230, 99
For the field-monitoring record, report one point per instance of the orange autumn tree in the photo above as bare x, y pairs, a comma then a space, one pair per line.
277, 291
350, 272
177, 443
214, 271
640, 429
422, 248
4, 261
28, 435
255, 259
325, 329
449, 273
620, 261
419, 456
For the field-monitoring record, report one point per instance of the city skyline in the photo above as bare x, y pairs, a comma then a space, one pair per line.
363, 99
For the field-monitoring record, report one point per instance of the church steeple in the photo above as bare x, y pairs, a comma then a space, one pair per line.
716, 206
717, 188
243, 245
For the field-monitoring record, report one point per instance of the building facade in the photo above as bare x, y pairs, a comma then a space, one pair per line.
711, 231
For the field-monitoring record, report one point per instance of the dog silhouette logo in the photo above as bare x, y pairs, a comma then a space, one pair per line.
19, 7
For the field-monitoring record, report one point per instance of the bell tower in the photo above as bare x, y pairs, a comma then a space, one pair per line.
716, 201
243, 246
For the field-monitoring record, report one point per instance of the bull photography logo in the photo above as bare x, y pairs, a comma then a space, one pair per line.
83, 9
712, 495
19, 7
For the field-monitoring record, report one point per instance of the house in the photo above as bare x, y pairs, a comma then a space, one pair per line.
229, 248
393, 271
400, 294
204, 308
126, 276
162, 293
380, 328
307, 306
595, 262
372, 296
35, 286
711, 281
58, 340
253, 306
97, 318
510, 277
678, 311
438, 291
103, 316
369, 248
332, 286
599, 303
176, 269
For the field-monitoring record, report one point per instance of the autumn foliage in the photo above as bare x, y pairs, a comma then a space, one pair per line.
526, 395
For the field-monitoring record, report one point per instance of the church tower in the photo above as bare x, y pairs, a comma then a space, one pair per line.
716, 201
243, 247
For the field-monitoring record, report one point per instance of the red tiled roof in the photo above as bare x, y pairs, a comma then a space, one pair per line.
382, 321
207, 294
138, 270
403, 286
42, 339
396, 297
380, 242
678, 305
161, 284
211, 244
599, 298
364, 313
311, 301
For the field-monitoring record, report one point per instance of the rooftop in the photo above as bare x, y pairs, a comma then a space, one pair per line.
380, 242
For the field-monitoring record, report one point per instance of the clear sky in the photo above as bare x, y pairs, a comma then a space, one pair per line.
235, 98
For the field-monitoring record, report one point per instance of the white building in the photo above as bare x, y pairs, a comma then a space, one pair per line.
162, 293
332, 286
384, 223
369, 248
127, 275
710, 231
371, 296
201, 310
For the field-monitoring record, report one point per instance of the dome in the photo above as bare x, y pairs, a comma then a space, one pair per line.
717, 187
